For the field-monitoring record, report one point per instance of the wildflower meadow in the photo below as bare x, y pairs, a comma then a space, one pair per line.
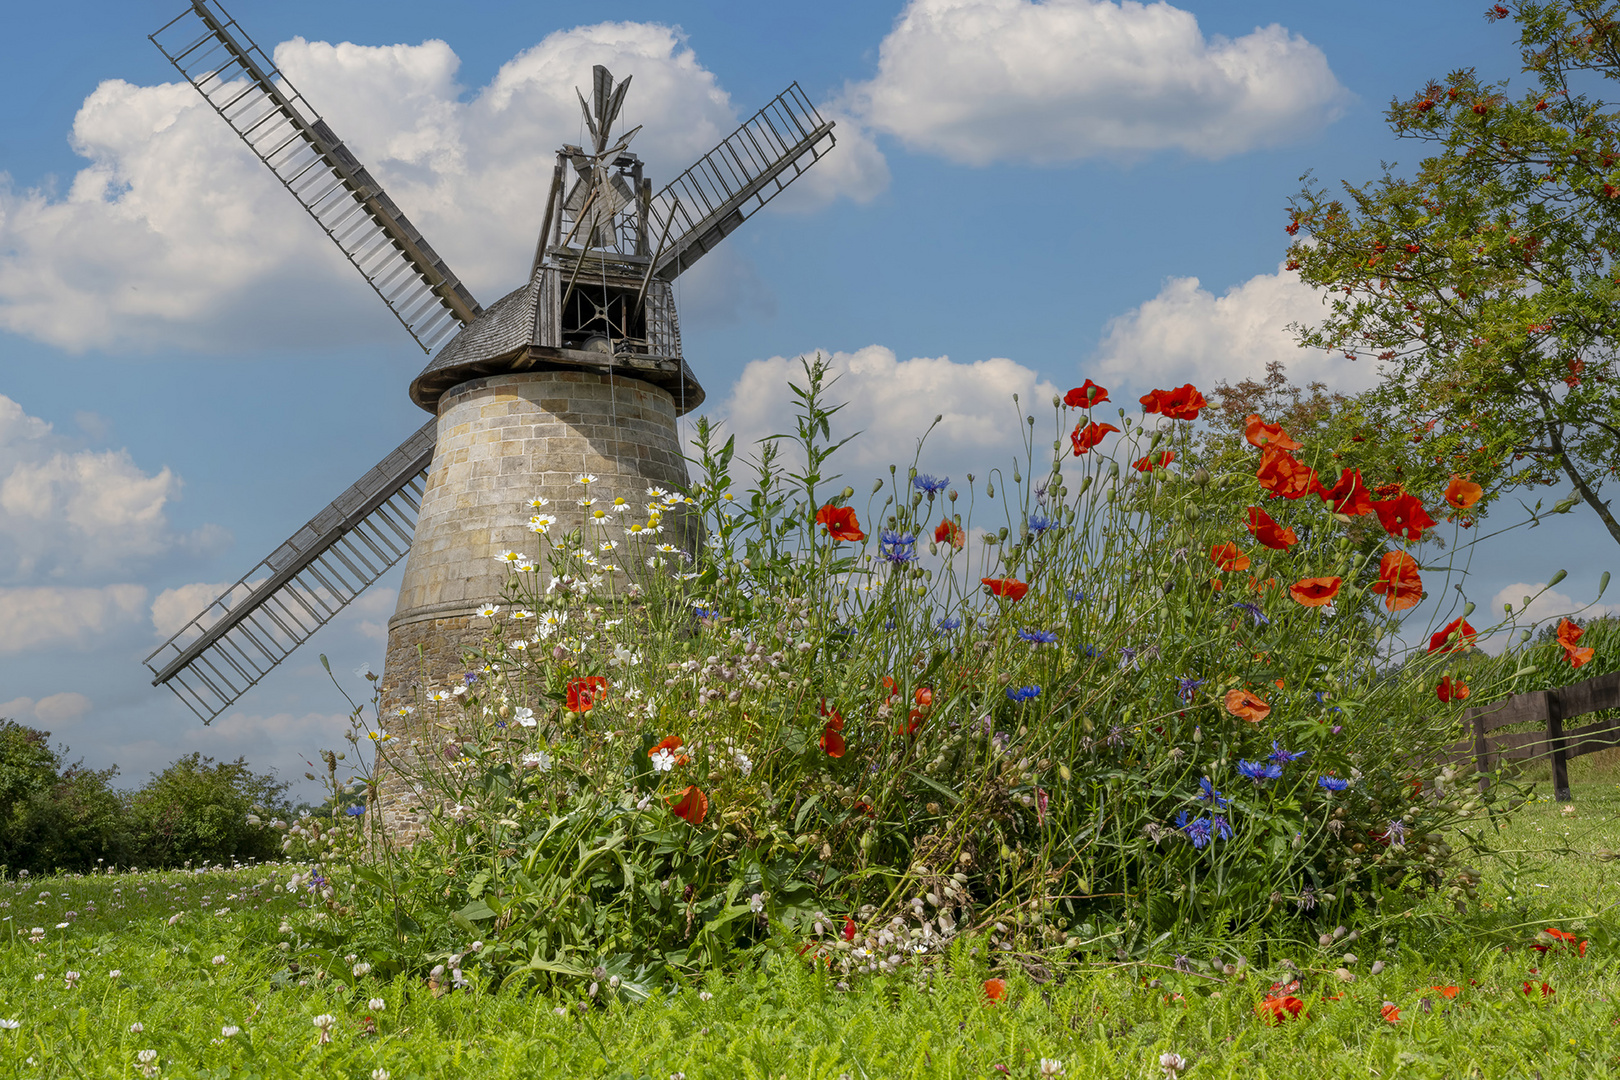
1136, 756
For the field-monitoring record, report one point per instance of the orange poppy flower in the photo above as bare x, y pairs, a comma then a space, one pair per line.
1246, 706
1390, 1012
1562, 938
690, 805
1398, 581
1447, 992
1261, 434
1350, 495
995, 989
1268, 532
1451, 691
582, 693
1084, 397
1227, 557
1568, 636
1403, 514
1007, 588
1444, 641
1278, 1009
1463, 493
1182, 403
1316, 591
840, 523
949, 532
1086, 436
832, 741
1282, 474
1148, 464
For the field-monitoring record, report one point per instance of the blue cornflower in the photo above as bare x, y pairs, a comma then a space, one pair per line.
949, 623
1259, 771
898, 547
1127, 657
1396, 833
1077, 596
470, 677
1039, 523
1197, 829
929, 484
1187, 687
354, 811
1091, 651
1223, 831
1283, 757
1254, 610
1332, 783
704, 613
1207, 793
1022, 694
1038, 637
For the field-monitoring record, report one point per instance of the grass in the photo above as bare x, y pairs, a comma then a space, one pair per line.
1112, 1020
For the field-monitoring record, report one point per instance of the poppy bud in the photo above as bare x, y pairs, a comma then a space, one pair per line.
1556, 578
1468, 609
877, 486
1200, 476
990, 491
848, 492
1085, 483
1190, 512
1056, 401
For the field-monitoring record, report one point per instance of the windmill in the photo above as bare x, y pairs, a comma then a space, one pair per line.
578, 369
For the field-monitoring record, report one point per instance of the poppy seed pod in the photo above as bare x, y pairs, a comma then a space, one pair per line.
877, 486
1200, 476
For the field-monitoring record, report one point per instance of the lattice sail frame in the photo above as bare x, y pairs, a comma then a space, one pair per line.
259, 103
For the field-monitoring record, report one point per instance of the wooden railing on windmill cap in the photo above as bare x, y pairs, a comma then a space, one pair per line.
1552, 709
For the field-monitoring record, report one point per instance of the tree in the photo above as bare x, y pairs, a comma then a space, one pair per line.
199, 810
1486, 282
53, 817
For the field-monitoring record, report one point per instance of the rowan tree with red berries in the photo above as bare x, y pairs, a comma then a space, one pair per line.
1486, 283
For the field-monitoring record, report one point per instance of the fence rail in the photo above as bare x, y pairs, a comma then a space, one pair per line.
1490, 745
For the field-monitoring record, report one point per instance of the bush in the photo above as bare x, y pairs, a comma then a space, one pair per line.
1130, 709
200, 811
54, 818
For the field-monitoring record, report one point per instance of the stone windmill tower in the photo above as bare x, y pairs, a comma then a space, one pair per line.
578, 369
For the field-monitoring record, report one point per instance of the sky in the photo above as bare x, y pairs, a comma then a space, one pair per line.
1023, 195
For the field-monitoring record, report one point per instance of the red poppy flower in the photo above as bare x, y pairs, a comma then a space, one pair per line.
1084, 397
1350, 495
1390, 1012
1316, 591
1568, 636
1086, 436
1561, 938
1398, 581
1463, 493
690, 805
1181, 403
1268, 532
840, 523
1447, 992
891, 689
671, 743
849, 929
1452, 691
1403, 515
1444, 641
1546, 991
949, 532
1007, 588
1246, 706
1278, 1009
832, 739
582, 693
995, 989
1148, 464
1282, 474
1227, 557
1261, 434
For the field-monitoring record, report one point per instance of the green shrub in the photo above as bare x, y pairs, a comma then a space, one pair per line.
1087, 728
54, 818
201, 811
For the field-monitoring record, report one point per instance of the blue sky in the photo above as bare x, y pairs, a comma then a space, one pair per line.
1023, 195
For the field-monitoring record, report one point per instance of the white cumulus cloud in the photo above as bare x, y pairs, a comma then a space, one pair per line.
33, 618
990, 80
173, 235
1188, 334
892, 402
1545, 606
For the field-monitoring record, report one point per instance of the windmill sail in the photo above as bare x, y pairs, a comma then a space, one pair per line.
302, 586
244, 86
750, 168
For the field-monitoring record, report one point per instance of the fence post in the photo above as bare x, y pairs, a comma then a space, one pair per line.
1482, 751
1555, 739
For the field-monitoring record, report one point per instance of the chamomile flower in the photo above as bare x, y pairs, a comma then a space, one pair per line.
439, 695
607, 545
509, 557
522, 613
539, 502
489, 611
620, 506
541, 523
668, 549
586, 501
585, 478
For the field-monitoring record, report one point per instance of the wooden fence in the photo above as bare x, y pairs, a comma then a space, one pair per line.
1492, 746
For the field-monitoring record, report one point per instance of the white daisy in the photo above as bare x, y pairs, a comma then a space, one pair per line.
585, 478
541, 523
509, 556
539, 502
607, 545
522, 613
489, 611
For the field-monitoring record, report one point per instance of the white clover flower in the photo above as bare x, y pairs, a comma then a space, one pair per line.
362, 968
136, 1028
71, 978
146, 1057
230, 1031
114, 973
1172, 1064
539, 760
379, 1073
489, 611
1051, 1067
376, 1004
524, 716
541, 523
508, 557
539, 502
325, 1021
663, 760
704, 995
218, 960
756, 903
